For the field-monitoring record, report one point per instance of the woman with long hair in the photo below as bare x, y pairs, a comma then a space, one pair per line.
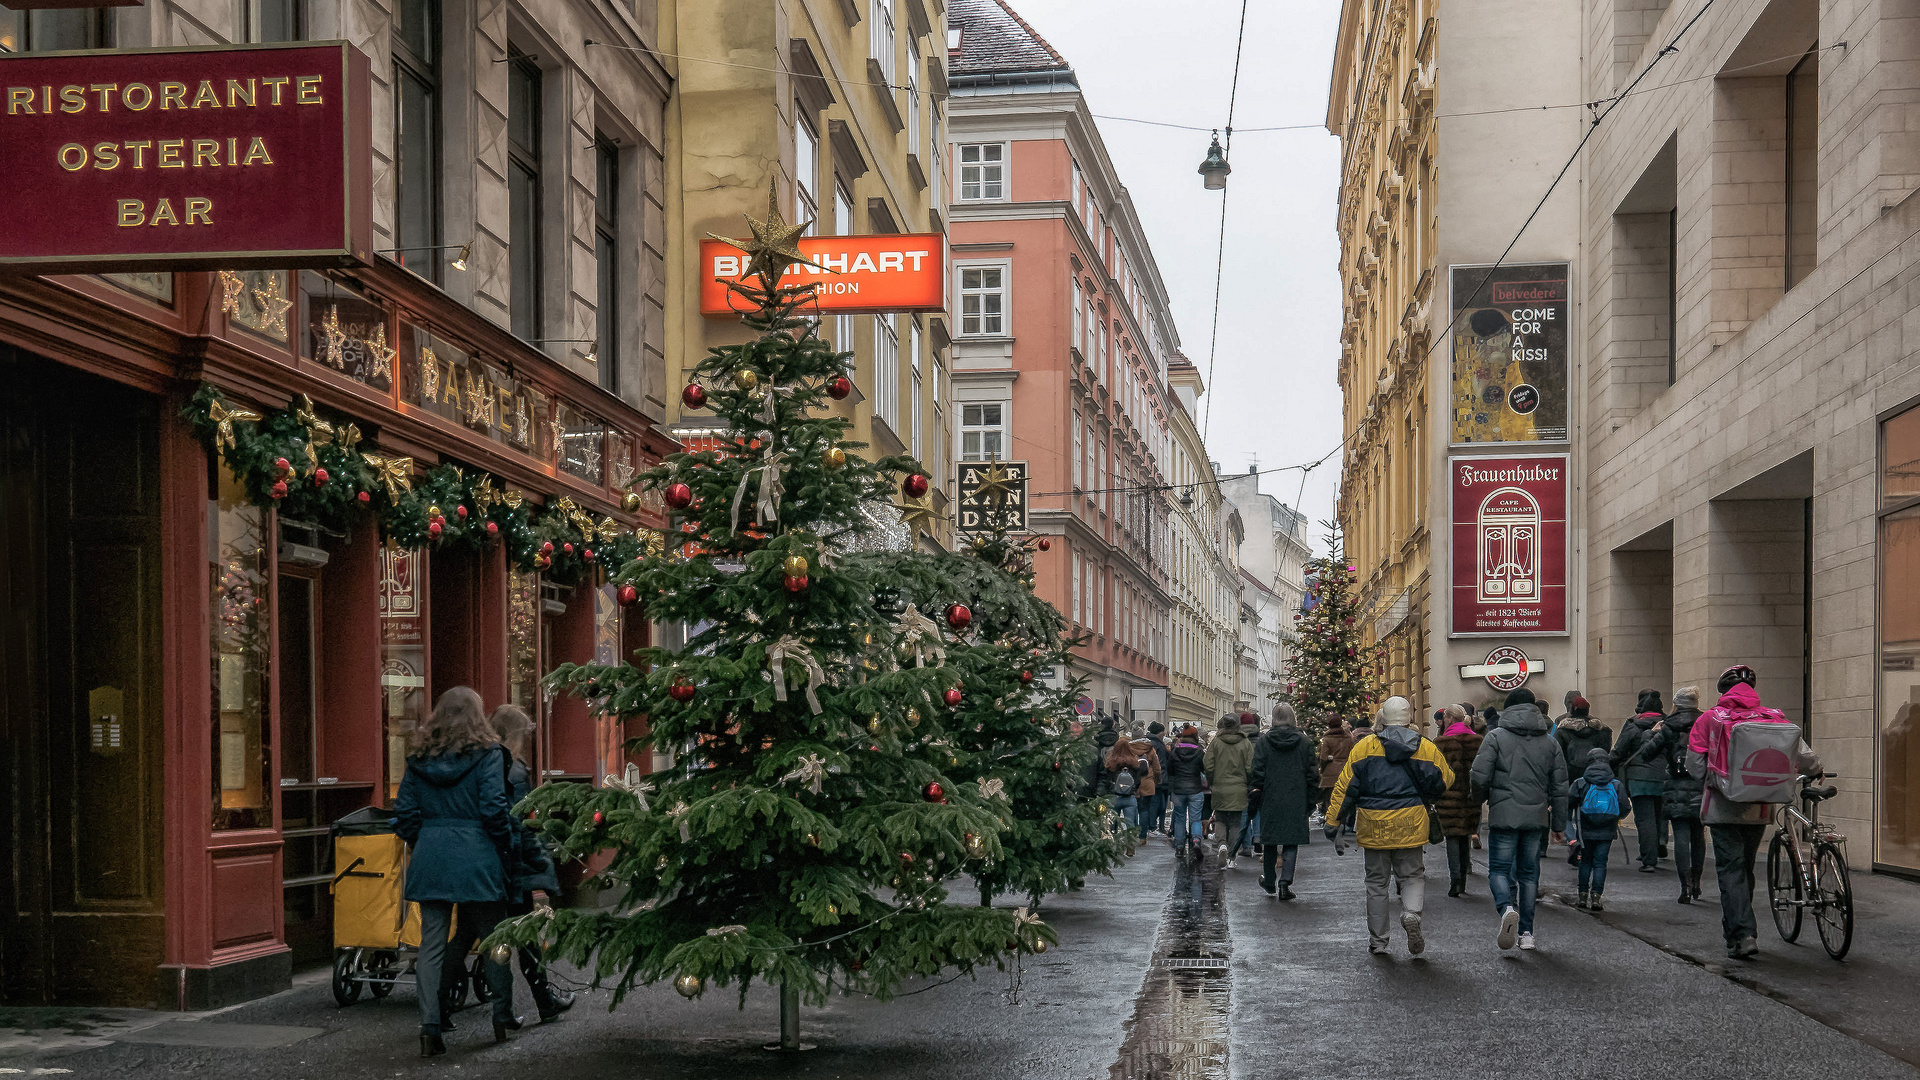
533, 875
453, 812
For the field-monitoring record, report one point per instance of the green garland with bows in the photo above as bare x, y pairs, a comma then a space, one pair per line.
316, 469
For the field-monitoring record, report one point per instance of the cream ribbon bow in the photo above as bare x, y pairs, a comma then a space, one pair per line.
766, 508
921, 634
633, 785
774, 391
1023, 918
790, 648
812, 770
989, 787
679, 814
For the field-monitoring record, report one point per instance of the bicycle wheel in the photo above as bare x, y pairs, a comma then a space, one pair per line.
1833, 900
1785, 892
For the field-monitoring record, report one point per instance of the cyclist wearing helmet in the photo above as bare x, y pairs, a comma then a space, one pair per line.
1738, 827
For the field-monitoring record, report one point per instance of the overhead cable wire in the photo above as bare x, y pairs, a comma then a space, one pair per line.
1220, 249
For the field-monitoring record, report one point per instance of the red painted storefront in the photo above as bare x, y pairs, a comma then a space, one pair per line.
189, 691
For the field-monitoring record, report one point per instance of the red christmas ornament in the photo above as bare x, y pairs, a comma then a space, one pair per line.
933, 792
1056, 766
681, 690
283, 465
278, 490
839, 387
546, 548
1059, 826
492, 529
364, 497
694, 396
319, 477
914, 486
587, 555
598, 817
568, 548
533, 815
958, 616
679, 496
795, 584
953, 698
906, 857
1044, 544
433, 528
1026, 676
628, 594
460, 512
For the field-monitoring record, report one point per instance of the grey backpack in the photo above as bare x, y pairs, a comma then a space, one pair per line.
1762, 759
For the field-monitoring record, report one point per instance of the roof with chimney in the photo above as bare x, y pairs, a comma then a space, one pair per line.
996, 42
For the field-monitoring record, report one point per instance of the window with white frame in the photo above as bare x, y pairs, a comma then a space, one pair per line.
1092, 473
1106, 351
983, 301
843, 226
983, 171
1078, 453
880, 37
1073, 316
806, 171
1076, 590
936, 153
1079, 185
983, 431
886, 371
1092, 333
913, 94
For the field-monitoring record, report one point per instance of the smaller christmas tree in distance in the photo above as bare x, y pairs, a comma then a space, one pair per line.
1334, 671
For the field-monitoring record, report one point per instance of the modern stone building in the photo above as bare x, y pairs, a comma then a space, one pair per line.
1749, 275
1273, 566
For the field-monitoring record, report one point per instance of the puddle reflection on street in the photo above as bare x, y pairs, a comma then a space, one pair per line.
1179, 1025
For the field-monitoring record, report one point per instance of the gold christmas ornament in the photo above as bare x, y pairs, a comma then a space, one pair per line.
630, 502
873, 725
689, 986
796, 566
976, 847
433, 511
746, 379
502, 953
1040, 945
775, 244
835, 458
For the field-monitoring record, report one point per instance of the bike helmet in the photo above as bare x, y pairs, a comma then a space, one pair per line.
1738, 673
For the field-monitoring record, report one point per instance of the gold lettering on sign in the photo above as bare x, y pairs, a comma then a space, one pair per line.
131, 212
137, 97
173, 95
206, 94
237, 94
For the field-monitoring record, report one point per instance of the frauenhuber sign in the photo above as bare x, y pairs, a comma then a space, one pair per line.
194, 158
877, 275
1509, 545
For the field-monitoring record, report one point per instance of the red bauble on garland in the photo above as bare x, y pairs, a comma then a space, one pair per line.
460, 512
839, 387
598, 817
278, 490
679, 496
568, 548
681, 690
795, 584
914, 486
959, 616
319, 478
282, 466
953, 698
433, 528
694, 396
628, 594
493, 529
933, 792
546, 548
364, 497
1044, 544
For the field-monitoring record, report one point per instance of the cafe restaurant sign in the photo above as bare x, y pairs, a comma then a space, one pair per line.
213, 157
852, 275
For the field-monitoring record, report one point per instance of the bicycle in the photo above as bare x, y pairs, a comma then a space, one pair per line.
1807, 869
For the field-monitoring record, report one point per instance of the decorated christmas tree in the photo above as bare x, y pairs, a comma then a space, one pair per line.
1013, 733
813, 810
1335, 671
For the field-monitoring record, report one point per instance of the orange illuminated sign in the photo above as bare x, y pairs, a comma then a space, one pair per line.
856, 274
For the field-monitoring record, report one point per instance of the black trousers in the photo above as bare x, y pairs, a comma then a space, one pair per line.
1735, 847
1459, 858
443, 963
1650, 827
1284, 853
532, 967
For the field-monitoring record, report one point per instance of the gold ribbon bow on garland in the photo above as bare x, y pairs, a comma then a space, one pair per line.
395, 473
766, 508
790, 648
922, 635
223, 420
633, 785
812, 770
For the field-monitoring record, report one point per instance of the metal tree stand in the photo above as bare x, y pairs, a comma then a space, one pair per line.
789, 1022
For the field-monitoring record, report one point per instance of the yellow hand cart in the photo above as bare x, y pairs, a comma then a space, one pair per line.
376, 932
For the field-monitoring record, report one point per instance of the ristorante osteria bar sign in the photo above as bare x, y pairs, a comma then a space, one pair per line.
189, 158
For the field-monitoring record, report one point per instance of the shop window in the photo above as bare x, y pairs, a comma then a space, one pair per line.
581, 440
257, 301
523, 649
238, 573
416, 136
156, 287
439, 376
1897, 739
345, 331
403, 655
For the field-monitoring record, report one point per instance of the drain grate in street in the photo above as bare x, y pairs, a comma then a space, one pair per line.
1179, 1025
1195, 963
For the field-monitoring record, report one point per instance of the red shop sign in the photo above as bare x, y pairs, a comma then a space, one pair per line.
189, 158
1509, 545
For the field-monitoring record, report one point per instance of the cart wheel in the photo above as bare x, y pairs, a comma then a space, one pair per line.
477, 975
346, 988
384, 965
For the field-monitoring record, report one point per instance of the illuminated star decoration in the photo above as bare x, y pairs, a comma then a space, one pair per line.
231, 287
381, 354
336, 338
273, 306
774, 245
996, 485
622, 475
916, 514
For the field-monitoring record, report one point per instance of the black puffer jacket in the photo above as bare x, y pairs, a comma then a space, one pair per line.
1633, 734
1577, 735
1185, 766
1681, 797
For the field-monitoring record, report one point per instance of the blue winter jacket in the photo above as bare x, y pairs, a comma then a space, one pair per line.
533, 865
453, 811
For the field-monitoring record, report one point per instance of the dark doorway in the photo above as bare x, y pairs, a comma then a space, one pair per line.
80, 695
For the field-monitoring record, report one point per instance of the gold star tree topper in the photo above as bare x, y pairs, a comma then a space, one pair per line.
996, 484
774, 245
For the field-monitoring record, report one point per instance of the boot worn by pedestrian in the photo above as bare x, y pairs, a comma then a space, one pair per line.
1266, 884
1585, 899
558, 1001
501, 1027
1595, 903
431, 1044
1745, 949
1286, 890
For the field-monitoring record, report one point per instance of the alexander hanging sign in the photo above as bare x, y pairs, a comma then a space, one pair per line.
179, 159
875, 275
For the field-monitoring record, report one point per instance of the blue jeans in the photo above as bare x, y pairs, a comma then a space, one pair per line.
1251, 833
1513, 870
1186, 818
1593, 864
1129, 807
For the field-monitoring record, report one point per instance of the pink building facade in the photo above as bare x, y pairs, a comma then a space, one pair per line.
1061, 339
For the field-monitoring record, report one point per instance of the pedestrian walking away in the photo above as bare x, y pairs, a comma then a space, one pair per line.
1331, 756
1522, 775
1251, 727
1149, 787
1120, 780
452, 810
1577, 734
1281, 785
1228, 759
1681, 795
1646, 779
1738, 827
1599, 799
1386, 786
1155, 817
1186, 763
533, 880
1458, 809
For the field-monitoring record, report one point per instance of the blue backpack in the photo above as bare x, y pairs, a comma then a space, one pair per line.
1601, 803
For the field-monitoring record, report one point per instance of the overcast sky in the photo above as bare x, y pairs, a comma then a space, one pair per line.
1273, 392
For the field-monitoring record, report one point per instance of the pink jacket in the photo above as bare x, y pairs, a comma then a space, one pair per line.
1457, 728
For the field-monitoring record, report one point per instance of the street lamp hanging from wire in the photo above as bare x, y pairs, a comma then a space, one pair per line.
1215, 168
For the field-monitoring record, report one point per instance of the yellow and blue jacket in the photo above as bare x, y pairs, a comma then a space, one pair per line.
1387, 782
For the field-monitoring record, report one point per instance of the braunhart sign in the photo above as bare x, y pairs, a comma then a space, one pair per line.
192, 158
878, 274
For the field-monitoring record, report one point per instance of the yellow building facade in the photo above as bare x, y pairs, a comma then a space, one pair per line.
1381, 107
840, 105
